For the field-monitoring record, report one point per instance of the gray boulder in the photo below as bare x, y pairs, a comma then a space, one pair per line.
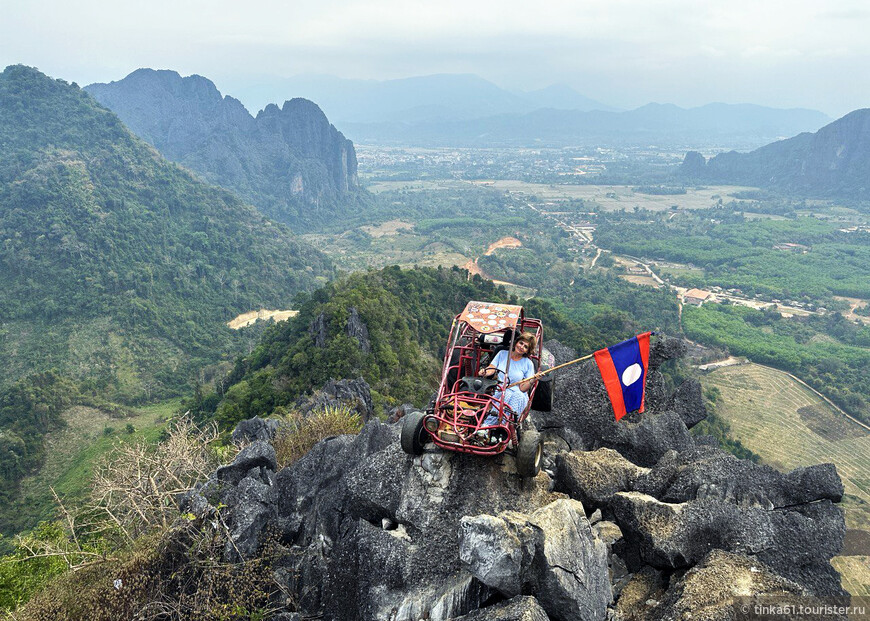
572, 580
253, 430
709, 472
253, 511
258, 456
592, 477
796, 544
552, 553
688, 402
520, 608
499, 551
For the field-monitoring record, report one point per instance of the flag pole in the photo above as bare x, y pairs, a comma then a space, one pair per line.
543, 373
561, 366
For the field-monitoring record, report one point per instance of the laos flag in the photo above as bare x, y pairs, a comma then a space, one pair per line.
623, 369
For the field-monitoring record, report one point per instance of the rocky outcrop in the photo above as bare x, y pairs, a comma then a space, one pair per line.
553, 553
798, 544
357, 329
254, 429
354, 393
719, 585
709, 472
289, 161
368, 532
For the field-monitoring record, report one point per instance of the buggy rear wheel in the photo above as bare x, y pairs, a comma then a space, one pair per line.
529, 453
413, 433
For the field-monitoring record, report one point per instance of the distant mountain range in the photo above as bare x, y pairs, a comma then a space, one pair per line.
664, 125
446, 97
289, 161
466, 110
834, 161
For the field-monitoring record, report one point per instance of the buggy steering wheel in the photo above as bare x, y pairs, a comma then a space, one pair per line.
480, 385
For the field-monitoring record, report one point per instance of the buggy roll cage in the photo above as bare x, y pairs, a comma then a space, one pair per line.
463, 402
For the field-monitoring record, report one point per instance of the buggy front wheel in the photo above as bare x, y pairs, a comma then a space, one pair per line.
413, 434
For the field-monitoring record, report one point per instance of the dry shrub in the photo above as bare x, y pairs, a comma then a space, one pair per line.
298, 434
137, 487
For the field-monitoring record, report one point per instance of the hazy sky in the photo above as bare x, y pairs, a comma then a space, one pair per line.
794, 53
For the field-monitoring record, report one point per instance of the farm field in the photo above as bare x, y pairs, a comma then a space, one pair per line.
616, 197
790, 426
608, 197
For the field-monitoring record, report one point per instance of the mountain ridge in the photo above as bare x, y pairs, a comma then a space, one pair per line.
288, 161
834, 161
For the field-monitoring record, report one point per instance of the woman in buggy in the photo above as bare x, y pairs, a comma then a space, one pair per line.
521, 367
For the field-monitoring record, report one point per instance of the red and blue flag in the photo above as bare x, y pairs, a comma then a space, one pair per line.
623, 368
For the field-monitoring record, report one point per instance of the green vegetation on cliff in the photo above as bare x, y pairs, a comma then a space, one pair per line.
118, 270
406, 315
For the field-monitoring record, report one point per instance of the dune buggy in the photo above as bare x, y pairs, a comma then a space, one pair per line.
456, 418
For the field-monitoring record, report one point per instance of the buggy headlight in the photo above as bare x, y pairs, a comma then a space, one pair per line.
431, 424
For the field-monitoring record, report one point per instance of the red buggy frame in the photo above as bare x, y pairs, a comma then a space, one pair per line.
455, 419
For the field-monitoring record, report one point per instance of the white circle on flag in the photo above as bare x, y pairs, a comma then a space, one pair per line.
631, 374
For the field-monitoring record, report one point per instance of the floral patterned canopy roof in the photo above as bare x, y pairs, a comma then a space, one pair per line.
491, 317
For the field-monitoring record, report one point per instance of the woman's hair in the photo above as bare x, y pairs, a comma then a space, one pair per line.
530, 340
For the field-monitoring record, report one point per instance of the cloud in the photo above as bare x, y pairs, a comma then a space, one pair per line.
668, 50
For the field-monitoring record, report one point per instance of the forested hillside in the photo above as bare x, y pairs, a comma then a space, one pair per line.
385, 326
118, 266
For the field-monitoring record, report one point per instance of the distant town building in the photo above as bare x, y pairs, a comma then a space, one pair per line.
696, 297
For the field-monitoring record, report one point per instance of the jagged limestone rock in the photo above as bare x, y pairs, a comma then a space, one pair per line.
499, 551
255, 455
719, 584
798, 544
357, 329
520, 608
354, 393
592, 477
571, 578
318, 331
709, 472
552, 553
254, 429
688, 402
642, 592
